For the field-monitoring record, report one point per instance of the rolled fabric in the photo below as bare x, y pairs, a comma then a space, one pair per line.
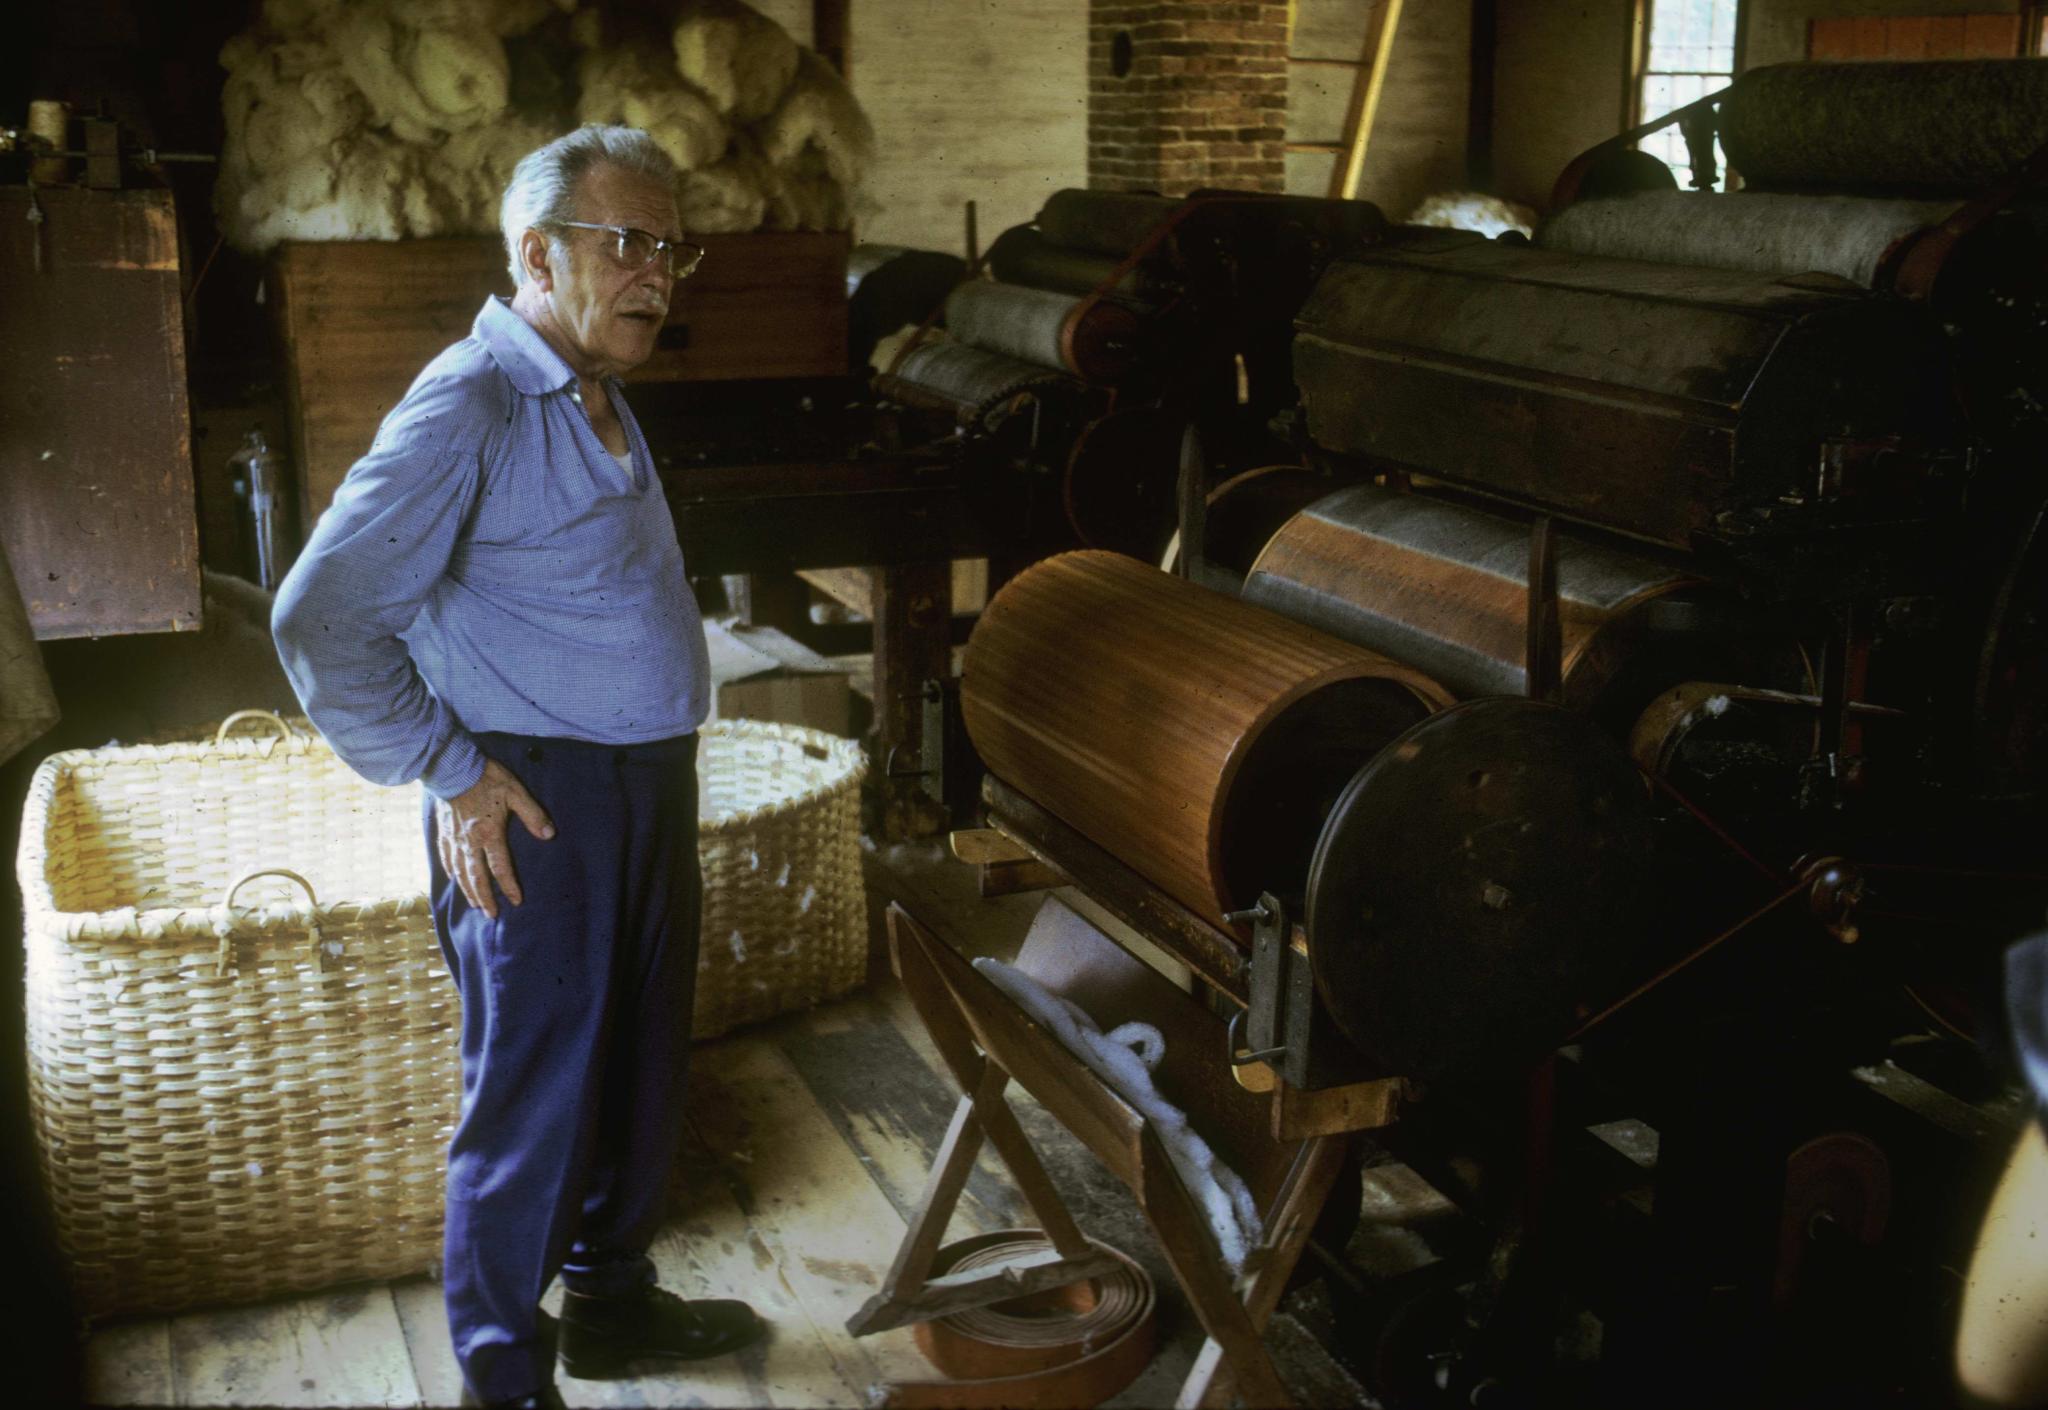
968, 381
1106, 222
1770, 234
1023, 255
1199, 740
1925, 125
1099, 343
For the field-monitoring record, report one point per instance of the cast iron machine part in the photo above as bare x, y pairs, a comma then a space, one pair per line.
1067, 368
1759, 550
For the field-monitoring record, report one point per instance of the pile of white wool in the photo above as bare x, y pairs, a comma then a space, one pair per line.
387, 119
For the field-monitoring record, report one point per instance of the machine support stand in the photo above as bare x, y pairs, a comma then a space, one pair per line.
986, 1040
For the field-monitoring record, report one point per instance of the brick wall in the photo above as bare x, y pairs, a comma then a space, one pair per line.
1201, 99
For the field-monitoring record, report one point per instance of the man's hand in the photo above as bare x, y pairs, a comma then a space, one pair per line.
470, 830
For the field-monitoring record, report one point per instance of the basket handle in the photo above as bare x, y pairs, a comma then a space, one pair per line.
284, 730
325, 951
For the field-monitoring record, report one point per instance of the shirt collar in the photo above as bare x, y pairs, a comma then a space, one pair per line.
517, 347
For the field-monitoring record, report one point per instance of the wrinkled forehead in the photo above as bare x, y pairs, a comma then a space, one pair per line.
611, 195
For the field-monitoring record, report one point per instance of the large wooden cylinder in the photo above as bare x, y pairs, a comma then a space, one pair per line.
1201, 741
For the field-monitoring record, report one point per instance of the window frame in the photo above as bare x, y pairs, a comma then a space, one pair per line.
1637, 69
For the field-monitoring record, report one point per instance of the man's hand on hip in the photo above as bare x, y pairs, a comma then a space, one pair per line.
470, 830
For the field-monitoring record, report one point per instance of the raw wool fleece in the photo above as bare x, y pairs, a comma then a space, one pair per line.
1840, 235
389, 119
1473, 210
1124, 1058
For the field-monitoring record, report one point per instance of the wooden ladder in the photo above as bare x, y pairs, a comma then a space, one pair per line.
1369, 77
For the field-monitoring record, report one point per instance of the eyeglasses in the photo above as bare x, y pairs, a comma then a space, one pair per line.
636, 249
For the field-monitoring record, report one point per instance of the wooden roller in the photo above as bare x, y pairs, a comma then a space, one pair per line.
1200, 740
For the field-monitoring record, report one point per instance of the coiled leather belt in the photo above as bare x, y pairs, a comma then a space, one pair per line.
1072, 1346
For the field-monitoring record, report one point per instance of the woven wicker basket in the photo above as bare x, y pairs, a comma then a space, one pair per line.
244, 1077
785, 916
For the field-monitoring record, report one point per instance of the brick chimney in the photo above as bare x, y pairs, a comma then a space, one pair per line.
1187, 93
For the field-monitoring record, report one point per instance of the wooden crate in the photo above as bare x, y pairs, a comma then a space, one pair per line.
96, 503
359, 319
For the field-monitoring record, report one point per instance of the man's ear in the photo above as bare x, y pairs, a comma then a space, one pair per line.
534, 256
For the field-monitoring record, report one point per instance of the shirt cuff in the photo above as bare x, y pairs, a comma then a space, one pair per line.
456, 770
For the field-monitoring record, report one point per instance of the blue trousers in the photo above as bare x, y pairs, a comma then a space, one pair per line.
575, 1042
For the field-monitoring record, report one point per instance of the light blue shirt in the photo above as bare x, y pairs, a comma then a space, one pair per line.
490, 566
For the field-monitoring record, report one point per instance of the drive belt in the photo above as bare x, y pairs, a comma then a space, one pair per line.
1071, 1346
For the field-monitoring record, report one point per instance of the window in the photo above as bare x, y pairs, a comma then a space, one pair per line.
1689, 52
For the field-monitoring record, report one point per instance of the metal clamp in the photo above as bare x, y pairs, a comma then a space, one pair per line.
1233, 1037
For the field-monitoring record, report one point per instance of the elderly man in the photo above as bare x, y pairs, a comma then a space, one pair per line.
495, 605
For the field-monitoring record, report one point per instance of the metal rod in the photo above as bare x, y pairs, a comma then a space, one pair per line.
1669, 971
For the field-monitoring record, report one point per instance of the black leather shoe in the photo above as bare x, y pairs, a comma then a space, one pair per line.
601, 1336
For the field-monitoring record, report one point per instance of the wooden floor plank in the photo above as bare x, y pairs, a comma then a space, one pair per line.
129, 1363
706, 1248
832, 1231
891, 1108
342, 1348
423, 1319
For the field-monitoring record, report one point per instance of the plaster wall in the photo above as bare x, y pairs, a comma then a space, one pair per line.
982, 100
1559, 87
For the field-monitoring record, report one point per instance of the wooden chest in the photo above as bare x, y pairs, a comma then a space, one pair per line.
359, 319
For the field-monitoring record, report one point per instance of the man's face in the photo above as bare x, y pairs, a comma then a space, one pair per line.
610, 315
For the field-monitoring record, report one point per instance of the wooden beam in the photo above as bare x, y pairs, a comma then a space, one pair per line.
1365, 97
852, 588
913, 617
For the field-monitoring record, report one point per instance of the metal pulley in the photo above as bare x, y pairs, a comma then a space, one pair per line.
1481, 885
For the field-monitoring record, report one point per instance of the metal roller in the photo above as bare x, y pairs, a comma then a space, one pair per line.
1842, 235
1199, 739
1097, 341
1245, 511
888, 286
1944, 125
1446, 589
968, 381
1106, 222
1023, 255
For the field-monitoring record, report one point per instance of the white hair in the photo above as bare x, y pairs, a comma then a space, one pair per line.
543, 186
